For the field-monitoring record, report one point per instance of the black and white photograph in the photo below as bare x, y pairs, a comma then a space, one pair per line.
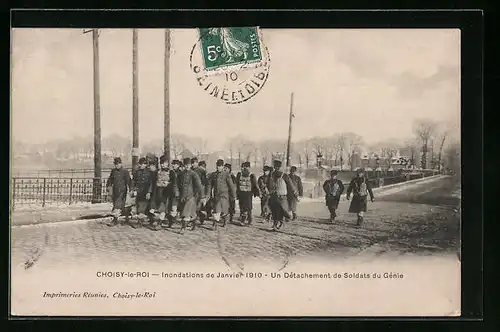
235, 171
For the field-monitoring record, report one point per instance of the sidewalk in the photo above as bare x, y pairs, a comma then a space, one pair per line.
59, 213
27, 216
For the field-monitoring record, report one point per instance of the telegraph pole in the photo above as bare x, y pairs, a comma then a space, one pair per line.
166, 96
97, 187
289, 143
135, 101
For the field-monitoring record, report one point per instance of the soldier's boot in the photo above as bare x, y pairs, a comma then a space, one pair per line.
201, 217
170, 221
360, 221
230, 219
250, 219
333, 215
193, 224
224, 220
294, 216
183, 225
114, 222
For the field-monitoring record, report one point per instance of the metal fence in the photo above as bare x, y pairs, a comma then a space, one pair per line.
42, 191
45, 191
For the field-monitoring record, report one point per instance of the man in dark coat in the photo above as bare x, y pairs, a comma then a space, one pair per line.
166, 192
118, 184
293, 200
221, 189
333, 188
246, 189
202, 174
142, 186
232, 201
360, 188
265, 211
153, 165
279, 185
189, 189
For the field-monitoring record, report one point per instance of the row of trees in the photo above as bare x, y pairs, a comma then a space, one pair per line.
425, 147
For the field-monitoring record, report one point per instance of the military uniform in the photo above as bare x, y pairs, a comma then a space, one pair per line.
293, 196
166, 193
220, 188
189, 189
333, 189
246, 189
360, 187
265, 211
119, 182
279, 185
202, 174
142, 183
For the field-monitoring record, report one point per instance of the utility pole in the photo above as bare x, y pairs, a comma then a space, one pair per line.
289, 143
166, 96
97, 185
135, 102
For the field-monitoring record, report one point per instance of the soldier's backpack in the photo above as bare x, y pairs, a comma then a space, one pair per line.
281, 189
363, 191
335, 189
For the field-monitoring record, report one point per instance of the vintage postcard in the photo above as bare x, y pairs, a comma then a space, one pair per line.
235, 171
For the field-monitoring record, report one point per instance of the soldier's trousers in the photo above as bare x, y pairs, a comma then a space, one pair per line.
292, 203
245, 202
264, 206
279, 207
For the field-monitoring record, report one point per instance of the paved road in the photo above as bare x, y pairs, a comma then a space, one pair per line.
392, 225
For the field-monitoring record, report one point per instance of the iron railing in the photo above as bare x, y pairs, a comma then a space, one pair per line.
47, 191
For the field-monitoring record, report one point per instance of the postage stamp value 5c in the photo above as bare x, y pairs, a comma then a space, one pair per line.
224, 47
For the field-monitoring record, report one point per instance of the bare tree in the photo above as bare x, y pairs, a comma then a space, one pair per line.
441, 145
424, 129
452, 158
350, 143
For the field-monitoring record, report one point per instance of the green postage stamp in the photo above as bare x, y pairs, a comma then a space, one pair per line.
226, 47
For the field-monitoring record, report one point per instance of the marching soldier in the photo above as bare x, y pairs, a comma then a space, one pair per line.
166, 193
246, 189
189, 189
333, 188
202, 174
279, 185
221, 189
142, 184
265, 211
293, 200
232, 202
118, 184
360, 188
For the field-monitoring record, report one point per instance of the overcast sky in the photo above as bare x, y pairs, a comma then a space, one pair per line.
372, 82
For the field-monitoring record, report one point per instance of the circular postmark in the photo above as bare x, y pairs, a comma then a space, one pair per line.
230, 64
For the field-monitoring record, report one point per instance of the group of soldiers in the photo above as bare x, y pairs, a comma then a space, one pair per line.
185, 192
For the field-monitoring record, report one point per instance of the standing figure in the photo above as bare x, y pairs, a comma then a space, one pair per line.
294, 195
246, 189
220, 188
165, 194
202, 174
265, 211
360, 188
333, 188
118, 185
279, 185
232, 202
189, 189
142, 185
153, 166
